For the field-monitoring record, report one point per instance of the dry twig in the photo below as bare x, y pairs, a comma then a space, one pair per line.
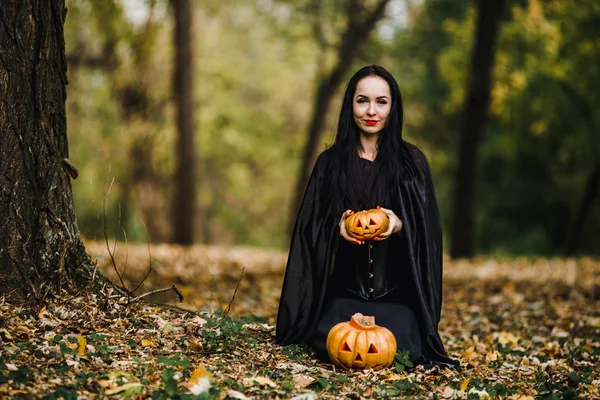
173, 288
234, 292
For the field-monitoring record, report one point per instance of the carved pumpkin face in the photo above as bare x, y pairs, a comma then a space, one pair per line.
365, 225
360, 344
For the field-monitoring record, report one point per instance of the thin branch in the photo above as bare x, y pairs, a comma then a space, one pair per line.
126, 249
111, 254
149, 258
94, 274
234, 292
118, 226
173, 288
212, 293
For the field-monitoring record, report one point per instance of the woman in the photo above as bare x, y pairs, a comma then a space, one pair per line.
396, 277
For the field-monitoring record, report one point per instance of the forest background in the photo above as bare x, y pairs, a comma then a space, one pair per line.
195, 124
258, 68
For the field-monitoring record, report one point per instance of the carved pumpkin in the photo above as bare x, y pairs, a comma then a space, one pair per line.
367, 224
360, 344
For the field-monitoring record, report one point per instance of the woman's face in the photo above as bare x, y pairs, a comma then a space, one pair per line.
371, 104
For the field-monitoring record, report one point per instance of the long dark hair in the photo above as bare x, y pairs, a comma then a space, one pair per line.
389, 160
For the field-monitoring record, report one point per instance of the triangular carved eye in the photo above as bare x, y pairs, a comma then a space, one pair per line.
358, 357
345, 347
372, 350
358, 224
372, 222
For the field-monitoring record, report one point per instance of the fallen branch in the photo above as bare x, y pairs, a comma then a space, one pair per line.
173, 288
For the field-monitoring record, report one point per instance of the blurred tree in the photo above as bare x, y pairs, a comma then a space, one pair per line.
539, 173
184, 202
256, 101
362, 17
476, 109
123, 51
40, 246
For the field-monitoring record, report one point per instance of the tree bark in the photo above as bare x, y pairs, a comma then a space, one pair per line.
184, 204
40, 244
482, 61
587, 200
356, 34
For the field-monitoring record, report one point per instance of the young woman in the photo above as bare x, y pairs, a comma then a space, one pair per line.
396, 277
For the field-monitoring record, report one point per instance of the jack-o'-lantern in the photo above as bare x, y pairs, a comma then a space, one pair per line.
367, 224
360, 344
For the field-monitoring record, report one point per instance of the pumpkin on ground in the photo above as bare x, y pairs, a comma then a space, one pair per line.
367, 224
360, 344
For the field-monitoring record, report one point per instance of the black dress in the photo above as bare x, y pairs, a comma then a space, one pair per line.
370, 279
320, 286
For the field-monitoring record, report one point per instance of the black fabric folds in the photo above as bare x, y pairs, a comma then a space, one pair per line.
314, 243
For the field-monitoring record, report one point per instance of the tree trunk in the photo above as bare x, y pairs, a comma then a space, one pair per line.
587, 200
482, 61
356, 34
40, 244
184, 204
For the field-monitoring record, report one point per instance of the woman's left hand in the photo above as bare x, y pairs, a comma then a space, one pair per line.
395, 226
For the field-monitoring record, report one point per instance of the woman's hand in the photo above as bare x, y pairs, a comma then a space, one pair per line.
395, 226
342, 225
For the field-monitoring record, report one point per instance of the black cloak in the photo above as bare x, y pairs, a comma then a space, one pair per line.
314, 244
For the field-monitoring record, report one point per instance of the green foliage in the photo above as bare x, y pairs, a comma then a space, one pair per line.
540, 144
225, 334
402, 361
256, 70
295, 352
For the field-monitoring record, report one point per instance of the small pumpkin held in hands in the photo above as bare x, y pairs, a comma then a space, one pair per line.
360, 344
367, 224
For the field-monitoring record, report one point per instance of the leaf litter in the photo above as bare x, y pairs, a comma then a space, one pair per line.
522, 329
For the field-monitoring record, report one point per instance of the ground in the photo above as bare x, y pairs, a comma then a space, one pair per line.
521, 329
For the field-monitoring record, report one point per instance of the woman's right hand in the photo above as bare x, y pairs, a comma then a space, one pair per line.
342, 225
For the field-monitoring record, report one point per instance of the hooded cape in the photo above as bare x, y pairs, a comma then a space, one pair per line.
314, 244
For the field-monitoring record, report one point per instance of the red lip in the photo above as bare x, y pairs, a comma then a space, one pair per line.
370, 122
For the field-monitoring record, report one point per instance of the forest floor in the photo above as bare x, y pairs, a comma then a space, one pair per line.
521, 329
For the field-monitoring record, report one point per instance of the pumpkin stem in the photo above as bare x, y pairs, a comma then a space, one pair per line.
363, 322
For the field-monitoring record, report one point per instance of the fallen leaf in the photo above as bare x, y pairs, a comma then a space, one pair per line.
444, 392
395, 377
123, 388
491, 356
263, 381
465, 383
199, 373
470, 353
82, 343
43, 312
234, 394
303, 380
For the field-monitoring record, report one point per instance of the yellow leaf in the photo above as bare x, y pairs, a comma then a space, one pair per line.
465, 383
43, 312
199, 373
148, 343
491, 356
470, 353
395, 377
81, 345
123, 388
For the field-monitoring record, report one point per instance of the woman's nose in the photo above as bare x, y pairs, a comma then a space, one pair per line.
371, 109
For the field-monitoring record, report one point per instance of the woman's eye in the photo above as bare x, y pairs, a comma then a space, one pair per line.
361, 100
382, 102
